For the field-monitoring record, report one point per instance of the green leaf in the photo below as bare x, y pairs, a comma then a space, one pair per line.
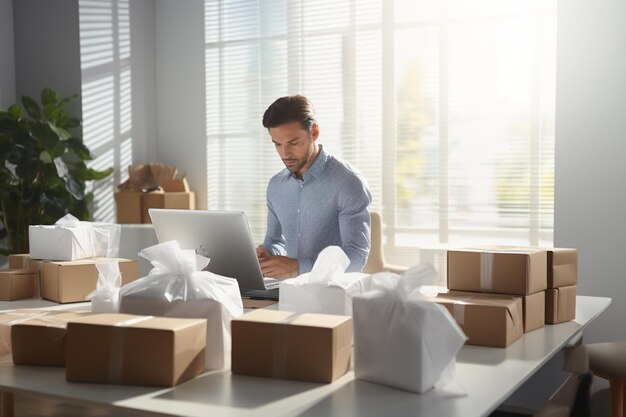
61, 133
45, 157
79, 148
48, 138
49, 96
50, 111
16, 110
53, 206
32, 108
89, 197
66, 100
100, 175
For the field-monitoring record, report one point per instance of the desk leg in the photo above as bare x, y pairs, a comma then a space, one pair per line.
6, 404
617, 397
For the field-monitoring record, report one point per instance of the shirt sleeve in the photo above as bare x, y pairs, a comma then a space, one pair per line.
274, 241
354, 223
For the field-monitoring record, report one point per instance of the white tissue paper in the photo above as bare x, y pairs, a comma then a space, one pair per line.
105, 298
70, 239
177, 286
327, 289
400, 339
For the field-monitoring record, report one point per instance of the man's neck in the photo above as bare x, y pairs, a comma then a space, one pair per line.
316, 152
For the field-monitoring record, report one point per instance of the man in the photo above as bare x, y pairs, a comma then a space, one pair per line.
315, 202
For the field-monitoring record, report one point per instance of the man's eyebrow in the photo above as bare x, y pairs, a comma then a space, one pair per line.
293, 140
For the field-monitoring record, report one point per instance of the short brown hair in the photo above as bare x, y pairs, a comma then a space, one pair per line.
290, 109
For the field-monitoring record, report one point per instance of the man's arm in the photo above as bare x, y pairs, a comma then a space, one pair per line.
354, 223
274, 241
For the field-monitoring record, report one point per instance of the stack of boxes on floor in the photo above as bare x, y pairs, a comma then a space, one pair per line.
498, 294
149, 186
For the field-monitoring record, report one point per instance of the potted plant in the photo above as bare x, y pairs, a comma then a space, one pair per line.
42, 168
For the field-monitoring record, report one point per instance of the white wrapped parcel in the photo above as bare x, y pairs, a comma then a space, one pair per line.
400, 339
327, 289
70, 239
105, 298
178, 287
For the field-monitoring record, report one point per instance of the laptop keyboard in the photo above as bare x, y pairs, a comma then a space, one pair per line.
262, 294
271, 283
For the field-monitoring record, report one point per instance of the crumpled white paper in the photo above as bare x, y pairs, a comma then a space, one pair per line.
70, 239
105, 298
400, 339
177, 286
327, 289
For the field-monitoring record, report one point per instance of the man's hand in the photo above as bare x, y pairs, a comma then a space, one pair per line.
261, 252
279, 267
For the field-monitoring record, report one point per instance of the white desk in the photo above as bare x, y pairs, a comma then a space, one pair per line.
489, 375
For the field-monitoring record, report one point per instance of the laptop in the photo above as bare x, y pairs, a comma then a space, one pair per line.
222, 236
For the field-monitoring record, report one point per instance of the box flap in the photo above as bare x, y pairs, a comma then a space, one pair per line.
141, 322
287, 317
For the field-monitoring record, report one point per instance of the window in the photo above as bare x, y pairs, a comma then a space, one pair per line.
447, 107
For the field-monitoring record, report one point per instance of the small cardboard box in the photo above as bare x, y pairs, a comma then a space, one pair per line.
24, 261
17, 284
281, 344
487, 319
562, 267
166, 200
560, 304
128, 206
533, 307
41, 340
21, 261
134, 350
520, 271
71, 281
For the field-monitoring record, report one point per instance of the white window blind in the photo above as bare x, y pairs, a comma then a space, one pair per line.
446, 106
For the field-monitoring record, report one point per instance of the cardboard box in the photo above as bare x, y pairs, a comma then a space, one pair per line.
134, 350
562, 267
71, 281
128, 206
534, 311
24, 261
520, 271
281, 344
533, 306
487, 319
560, 304
9, 318
149, 303
41, 340
166, 200
17, 284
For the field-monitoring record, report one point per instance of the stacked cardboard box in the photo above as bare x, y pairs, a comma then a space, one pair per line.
151, 186
65, 281
489, 279
541, 278
562, 280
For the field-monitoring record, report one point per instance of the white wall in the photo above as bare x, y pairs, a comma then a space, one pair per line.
47, 48
143, 59
7, 55
180, 96
590, 197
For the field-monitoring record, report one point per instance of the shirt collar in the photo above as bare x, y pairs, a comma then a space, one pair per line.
318, 165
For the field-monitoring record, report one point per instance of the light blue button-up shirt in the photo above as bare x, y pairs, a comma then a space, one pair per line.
329, 206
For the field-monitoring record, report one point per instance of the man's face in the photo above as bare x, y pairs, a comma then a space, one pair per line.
295, 145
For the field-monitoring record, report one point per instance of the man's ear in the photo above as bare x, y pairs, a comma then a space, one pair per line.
315, 131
